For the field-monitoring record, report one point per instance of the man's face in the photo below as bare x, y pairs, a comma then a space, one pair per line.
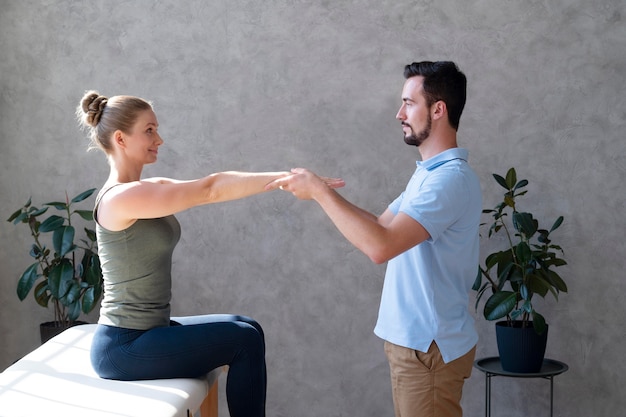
414, 114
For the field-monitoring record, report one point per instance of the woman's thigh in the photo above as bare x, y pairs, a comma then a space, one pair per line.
188, 350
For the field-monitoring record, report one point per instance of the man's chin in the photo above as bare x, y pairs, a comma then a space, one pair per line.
411, 140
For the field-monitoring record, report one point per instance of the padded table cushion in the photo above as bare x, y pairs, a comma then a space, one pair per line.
57, 379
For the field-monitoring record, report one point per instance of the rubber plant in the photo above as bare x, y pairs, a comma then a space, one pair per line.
525, 267
67, 275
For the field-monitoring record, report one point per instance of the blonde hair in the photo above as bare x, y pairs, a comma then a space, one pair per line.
102, 116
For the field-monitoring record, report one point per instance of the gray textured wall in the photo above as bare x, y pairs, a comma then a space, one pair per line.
254, 85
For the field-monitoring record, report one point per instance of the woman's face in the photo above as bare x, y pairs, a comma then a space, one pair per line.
142, 144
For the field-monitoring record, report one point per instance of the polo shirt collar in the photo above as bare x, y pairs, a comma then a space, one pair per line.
443, 157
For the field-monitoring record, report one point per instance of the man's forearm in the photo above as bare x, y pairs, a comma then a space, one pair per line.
359, 226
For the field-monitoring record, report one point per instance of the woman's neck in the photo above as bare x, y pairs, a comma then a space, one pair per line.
123, 173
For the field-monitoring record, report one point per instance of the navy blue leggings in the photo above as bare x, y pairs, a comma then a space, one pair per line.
191, 347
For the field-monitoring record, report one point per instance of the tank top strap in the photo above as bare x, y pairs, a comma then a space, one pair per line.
102, 192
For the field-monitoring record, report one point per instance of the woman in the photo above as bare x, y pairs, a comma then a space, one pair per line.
137, 233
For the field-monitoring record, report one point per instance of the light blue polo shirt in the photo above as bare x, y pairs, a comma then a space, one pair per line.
425, 295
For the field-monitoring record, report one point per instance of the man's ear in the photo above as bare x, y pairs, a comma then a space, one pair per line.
439, 109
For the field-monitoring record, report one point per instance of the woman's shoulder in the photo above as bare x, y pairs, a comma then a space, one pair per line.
113, 188
160, 180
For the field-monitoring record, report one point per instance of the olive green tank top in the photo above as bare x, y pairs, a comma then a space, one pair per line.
136, 268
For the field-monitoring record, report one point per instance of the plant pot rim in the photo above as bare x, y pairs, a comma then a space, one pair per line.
59, 324
516, 323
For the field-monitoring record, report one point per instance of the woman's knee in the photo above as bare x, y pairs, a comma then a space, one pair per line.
253, 323
252, 335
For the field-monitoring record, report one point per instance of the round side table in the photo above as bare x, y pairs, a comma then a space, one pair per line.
493, 367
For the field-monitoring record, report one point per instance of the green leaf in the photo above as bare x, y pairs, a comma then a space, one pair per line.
557, 223
504, 260
36, 251
554, 289
63, 240
93, 273
516, 313
60, 279
85, 194
558, 262
72, 295
480, 294
511, 178
27, 280
14, 216
499, 305
492, 260
51, 223
538, 285
85, 214
507, 272
520, 184
500, 181
556, 280
88, 301
478, 280
539, 323
542, 238
35, 212
525, 224
91, 234
523, 253
97, 292
59, 205
73, 311
42, 295
524, 292
21, 218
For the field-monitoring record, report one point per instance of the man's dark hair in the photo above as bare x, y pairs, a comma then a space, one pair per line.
442, 81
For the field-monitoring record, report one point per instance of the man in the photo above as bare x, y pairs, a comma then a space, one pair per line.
429, 236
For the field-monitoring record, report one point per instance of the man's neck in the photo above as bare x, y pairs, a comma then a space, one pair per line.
433, 146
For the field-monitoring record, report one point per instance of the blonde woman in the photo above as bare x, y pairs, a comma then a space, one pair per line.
137, 233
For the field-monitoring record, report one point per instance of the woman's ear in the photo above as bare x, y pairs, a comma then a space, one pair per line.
118, 138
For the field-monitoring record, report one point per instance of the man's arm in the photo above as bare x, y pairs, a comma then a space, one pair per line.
380, 238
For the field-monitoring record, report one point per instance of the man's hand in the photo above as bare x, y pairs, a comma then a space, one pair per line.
304, 184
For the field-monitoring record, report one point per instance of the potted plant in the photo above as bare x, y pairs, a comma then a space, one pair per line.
515, 274
68, 275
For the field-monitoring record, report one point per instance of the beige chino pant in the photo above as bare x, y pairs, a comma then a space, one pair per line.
423, 385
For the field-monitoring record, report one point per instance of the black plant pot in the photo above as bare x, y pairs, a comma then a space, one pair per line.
521, 349
50, 329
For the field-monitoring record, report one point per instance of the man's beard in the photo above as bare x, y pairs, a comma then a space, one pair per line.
416, 139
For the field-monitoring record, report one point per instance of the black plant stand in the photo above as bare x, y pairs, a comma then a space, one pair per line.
492, 367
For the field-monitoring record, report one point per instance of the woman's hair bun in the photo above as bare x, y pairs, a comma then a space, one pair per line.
93, 105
